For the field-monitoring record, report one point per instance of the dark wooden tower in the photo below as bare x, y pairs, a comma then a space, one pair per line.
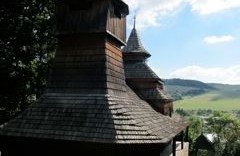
87, 106
141, 78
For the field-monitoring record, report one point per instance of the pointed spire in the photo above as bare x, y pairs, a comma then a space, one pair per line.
134, 44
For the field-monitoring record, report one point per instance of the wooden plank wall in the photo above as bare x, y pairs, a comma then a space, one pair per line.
91, 19
100, 17
116, 25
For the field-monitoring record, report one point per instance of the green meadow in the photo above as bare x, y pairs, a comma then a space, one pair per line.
212, 100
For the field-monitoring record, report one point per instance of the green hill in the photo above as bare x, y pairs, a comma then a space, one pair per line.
189, 83
191, 94
211, 100
179, 88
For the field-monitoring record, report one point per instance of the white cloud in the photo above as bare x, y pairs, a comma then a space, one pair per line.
218, 39
230, 75
151, 11
206, 7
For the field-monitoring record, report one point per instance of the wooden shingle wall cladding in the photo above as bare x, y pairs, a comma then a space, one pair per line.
87, 65
115, 69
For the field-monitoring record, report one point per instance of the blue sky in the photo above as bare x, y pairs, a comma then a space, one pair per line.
190, 39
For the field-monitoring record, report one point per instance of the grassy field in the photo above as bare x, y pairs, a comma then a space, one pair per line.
211, 100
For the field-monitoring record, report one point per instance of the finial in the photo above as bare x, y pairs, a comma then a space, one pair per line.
134, 26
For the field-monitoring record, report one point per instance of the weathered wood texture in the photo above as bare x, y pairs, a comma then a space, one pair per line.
164, 107
94, 118
87, 65
116, 25
153, 94
91, 16
141, 78
139, 70
87, 102
134, 45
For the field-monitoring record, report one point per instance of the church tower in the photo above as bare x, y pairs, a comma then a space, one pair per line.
141, 78
87, 108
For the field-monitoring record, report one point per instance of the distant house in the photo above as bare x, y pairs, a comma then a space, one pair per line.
94, 103
206, 142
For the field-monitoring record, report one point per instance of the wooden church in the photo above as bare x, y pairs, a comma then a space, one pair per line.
92, 104
140, 77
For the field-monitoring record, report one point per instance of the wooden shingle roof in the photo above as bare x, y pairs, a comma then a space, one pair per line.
138, 72
134, 44
87, 98
155, 94
136, 69
94, 118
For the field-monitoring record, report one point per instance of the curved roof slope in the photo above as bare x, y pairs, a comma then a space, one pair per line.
95, 118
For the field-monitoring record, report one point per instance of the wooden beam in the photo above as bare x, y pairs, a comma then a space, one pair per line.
186, 134
174, 146
182, 139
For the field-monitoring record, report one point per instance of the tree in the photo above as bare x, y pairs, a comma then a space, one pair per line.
227, 129
182, 112
195, 130
26, 47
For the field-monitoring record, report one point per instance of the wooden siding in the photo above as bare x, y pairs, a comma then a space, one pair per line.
92, 19
116, 25
98, 16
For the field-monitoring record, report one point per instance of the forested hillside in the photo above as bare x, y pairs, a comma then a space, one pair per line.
195, 95
179, 88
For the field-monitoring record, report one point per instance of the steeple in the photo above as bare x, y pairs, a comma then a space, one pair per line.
87, 106
141, 78
134, 45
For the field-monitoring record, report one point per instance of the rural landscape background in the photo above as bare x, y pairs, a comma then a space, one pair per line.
185, 38
212, 108
192, 95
